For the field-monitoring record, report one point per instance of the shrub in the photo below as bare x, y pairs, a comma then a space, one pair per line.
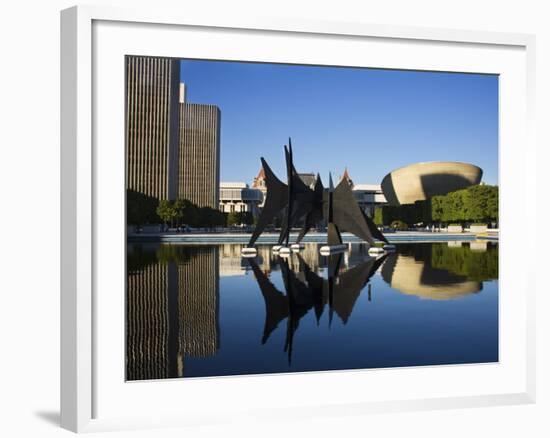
399, 225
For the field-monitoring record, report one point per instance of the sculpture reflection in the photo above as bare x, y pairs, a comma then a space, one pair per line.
305, 290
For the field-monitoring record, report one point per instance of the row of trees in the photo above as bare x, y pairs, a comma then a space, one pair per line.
240, 218
143, 209
474, 204
184, 212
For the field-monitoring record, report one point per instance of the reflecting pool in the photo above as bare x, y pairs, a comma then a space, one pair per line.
195, 310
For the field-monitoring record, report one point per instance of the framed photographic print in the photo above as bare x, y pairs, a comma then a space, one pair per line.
263, 217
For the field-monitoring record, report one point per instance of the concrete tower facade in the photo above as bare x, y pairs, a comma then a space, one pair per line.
152, 126
199, 159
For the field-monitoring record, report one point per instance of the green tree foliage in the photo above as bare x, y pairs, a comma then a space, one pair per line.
378, 217
232, 219
187, 213
140, 208
398, 225
239, 218
167, 212
210, 217
474, 204
474, 265
184, 212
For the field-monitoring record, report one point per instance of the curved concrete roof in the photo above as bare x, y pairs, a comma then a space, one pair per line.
420, 181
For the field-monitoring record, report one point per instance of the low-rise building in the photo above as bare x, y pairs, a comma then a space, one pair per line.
238, 197
369, 196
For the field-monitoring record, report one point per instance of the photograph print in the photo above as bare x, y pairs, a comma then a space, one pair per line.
296, 218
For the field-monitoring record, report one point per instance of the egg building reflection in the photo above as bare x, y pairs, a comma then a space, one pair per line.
415, 277
442, 271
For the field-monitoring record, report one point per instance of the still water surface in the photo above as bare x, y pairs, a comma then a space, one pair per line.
197, 311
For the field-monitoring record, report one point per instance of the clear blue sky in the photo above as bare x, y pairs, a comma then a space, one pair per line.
370, 120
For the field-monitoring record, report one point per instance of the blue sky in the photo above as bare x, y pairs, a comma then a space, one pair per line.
370, 120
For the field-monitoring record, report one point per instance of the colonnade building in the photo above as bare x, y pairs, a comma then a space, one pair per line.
172, 146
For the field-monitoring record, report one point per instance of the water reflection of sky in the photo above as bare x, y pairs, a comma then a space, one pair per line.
205, 311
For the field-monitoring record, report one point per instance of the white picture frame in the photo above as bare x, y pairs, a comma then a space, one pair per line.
87, 381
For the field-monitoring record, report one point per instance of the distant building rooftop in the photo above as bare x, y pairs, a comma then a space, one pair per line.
234, 185
368, 187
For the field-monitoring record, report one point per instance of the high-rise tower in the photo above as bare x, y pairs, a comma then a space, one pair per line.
199, 160
152, 125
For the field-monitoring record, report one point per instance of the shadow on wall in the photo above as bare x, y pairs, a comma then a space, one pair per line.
442, 183
389, 190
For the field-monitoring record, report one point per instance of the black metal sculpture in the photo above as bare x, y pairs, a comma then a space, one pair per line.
314, 216
300, 205
334, 238
276, 200
348, 216
301, 198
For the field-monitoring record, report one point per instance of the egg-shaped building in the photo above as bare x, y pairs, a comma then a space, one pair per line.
420, 181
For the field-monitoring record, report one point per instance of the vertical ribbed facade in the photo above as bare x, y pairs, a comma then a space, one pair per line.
198, 300
172, 312
199, 162
152, 131
147, 323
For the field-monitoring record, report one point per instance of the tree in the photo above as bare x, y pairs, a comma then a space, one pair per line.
378, 218
233, 218
219, 218
187, 212
210, 217
180, 211
441, 207
140, 208
399, 225
166, 211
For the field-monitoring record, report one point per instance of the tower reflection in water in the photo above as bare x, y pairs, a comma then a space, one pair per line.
172, 309
173, 306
